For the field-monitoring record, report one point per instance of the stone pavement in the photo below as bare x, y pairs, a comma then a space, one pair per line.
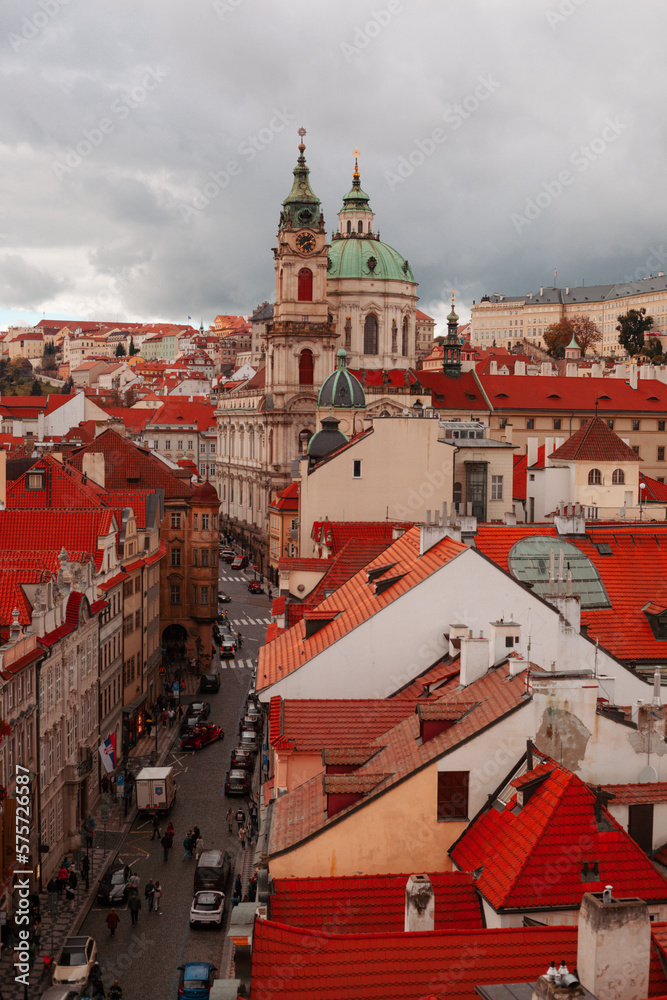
108, 838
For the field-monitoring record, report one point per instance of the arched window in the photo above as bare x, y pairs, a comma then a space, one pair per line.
360, 227
404, 339
306, 367
371, 334
369, 228
305, 285
594, 477
349, 226
618, 477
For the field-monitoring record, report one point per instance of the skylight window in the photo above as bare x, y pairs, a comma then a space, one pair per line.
529, 561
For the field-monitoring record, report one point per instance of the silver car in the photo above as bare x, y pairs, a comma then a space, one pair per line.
207, 907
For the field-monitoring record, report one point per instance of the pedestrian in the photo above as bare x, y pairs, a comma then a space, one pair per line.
70, 896
52, 890
179, 711
172, 717
133, 905
97, 987
187, 844
156, 828
240, 818
63, 875
149, 726
85, 867
240, 640
242, 836
199, 847
149, 893
115, 991
157, 896
166, 842
37, 933
252, 888
72, 880
113, 920
164, 718
230, 818
238, 885
196, 834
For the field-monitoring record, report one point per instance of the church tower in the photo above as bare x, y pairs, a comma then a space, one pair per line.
451, 359
300, 342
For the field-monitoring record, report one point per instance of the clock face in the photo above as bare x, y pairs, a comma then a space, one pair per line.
305, 242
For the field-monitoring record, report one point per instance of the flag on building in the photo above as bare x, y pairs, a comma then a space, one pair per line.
107, 752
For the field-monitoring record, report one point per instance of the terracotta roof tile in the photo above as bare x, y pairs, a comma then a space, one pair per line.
313, 723
637, 794
594, 442
351, 784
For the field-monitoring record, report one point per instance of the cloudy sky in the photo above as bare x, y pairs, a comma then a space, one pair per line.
146, 145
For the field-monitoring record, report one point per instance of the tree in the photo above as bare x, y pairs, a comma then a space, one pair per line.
558, 336
133, 350
653, 348
632, 329
67, 386
120, 350
586, 332
36, 388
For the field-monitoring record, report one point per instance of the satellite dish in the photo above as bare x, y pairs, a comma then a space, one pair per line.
648, 775
621, 512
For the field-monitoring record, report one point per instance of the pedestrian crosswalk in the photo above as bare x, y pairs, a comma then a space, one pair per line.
250, 621
237, 665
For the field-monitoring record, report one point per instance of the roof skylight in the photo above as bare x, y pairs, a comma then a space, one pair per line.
529, 560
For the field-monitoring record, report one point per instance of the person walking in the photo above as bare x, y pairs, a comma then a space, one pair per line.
149, 726
196, 834
242, 836
112, 920
167, 843
70, 896
72, 880
133, 905
199, 847
63, 875
240, 818
52, 890
238, 885
172, 718
230, 818
149, 893
156, 828
97, 987
157, 896
115, 991
188, 845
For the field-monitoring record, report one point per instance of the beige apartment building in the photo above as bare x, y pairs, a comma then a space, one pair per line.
503, 320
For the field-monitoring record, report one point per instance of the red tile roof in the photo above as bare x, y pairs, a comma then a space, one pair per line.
633, 575
48, 531
287, 499
376, 904
654, 490
463, 393
64, 488
359, 602
594, 442
520, 470
309, 724
302, 812
634, 794
182, 411
516, 850
402, 966
134, 419
578, 395
130, 467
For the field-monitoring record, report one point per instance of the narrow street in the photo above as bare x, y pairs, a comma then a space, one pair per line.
145, 958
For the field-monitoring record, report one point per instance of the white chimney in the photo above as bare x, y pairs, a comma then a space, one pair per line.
92, 465
493, 367
504, 637
419, 904
571, 370
519, 367
456, 633
474, 660
531, 451
632, 379
614, 947
545, 368
548, 448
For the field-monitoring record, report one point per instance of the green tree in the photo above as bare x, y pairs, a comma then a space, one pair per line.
120, 350
36, 388
133, 350
632, 329
67, 386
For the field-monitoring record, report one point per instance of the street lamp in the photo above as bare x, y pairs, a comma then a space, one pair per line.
642, 486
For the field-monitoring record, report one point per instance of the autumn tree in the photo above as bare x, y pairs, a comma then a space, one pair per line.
586, 332
632, 328
557, 336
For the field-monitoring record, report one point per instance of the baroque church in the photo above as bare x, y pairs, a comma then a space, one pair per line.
347, 303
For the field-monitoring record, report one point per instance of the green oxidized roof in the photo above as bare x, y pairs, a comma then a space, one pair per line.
356, 199
349, 258
341, 388
301, 206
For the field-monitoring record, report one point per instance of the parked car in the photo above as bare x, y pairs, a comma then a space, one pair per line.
195, 980
252, 722
224, 598
228, 555
201, 734
255, 587
212, 871
243, 759
207, 907
199, 710
240, 562
250, 739
209, 682
237, 782
116, 884
75, 962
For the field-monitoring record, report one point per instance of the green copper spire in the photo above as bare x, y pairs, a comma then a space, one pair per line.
451, 348
301, 207
356, 199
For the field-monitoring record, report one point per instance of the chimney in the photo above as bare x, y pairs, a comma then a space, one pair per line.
554, 985
456, 633
570, 520
531, 451
92, 466
632, 376
504, 638
614, 946
508, 433
571, 370
474, 659
419, 904
545, 368
493, 367
548, 448
519, 367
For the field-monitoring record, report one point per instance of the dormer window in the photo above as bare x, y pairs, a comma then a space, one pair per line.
36, 480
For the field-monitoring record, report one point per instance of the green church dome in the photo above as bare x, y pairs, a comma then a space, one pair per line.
341, 388
366, 257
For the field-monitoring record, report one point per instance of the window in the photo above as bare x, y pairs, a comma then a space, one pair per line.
35, 481
306, 367
502, 422
190, 445
167, 445
530, 424
127, 588
204, 596
635, 425
128, 626
370, 334
453, 795
211, 448
204, 557
661, 454
610, 425
175, 557
618, 476
175, 520
356, 469
137, 584
661, 425
594, 477
557, 424
496, 487
202, 449
179, 445
305, 285
635, 448
175, 593
195, 557
204, 522
137, 619
404, 337
196, 521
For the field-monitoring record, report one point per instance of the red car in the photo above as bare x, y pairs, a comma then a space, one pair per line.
243, 759
255, 587
200, 735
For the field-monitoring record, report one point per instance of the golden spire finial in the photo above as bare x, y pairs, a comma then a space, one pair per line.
355, 154
302, 132
452, 298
